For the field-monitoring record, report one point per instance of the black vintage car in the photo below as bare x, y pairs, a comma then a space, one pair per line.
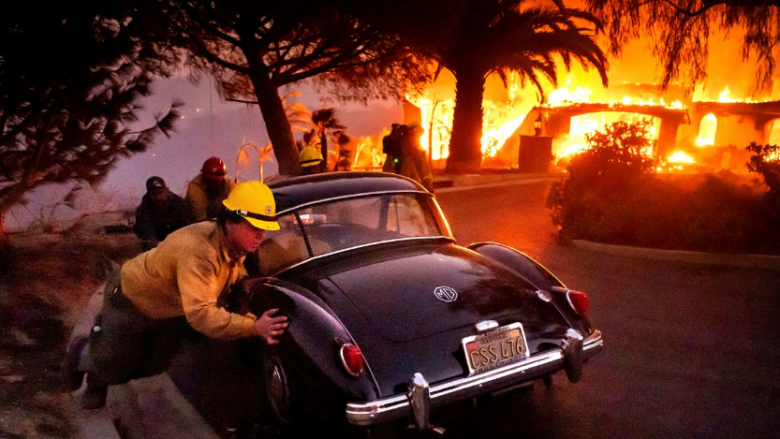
390, 316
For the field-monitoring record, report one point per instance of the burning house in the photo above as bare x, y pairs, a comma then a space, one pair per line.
691, 132
710, 134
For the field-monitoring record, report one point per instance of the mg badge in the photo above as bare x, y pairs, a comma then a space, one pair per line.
446, 294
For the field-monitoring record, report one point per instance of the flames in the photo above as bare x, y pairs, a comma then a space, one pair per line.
583, 125
680, 157
564, 97
500, 121
709, 125
725, 98
436, 121
676, 162
507, 115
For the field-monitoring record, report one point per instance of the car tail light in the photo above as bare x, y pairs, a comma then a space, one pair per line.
351, 359
578, 301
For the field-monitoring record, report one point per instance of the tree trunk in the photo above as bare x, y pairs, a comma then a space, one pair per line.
275, 118
324, 148
466, 141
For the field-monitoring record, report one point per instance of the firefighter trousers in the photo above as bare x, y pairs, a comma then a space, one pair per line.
125, 344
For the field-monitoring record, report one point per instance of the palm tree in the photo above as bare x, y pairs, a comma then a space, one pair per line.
500, 36
326, 124
342, 162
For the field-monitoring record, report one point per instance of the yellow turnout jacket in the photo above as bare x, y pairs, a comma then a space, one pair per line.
197, 197
184, 275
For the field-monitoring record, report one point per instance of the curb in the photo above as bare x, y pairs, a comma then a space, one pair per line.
764, 262
455, 183
154, 408
148, 408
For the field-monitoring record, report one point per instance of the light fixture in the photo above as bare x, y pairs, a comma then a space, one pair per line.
538, 125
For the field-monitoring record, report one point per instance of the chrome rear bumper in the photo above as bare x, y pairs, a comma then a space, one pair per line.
569, 357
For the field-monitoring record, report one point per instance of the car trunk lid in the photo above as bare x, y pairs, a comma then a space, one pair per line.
435, 289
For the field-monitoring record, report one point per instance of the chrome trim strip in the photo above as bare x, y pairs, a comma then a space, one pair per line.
347, 197
397, 406
371, 244
486, 325
572, 354
419, 397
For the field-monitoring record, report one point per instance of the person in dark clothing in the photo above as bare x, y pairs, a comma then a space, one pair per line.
414, 162
392, 146
405, 155
160, 213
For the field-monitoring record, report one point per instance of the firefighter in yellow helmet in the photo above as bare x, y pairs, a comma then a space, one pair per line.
207, 191
310, 161
149, 303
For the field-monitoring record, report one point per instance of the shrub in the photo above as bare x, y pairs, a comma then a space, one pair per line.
599, 177
617, 200
766, 161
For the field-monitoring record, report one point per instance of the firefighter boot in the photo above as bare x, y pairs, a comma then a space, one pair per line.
94, 396
72, 377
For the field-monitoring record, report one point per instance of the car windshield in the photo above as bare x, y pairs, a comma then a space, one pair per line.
319, 229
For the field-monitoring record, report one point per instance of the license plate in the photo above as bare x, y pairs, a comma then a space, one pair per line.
499, 347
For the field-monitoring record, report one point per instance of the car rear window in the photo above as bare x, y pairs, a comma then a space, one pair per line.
342, 224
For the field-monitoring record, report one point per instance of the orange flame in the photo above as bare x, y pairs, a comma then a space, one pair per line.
580, 95
587, 124
707, 130
505, 114
680, 157
500, 121
725, 97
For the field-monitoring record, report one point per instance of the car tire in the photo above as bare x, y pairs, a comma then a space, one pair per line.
277, 389
286, 414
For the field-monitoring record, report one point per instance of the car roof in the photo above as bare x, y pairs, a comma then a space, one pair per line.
297, 191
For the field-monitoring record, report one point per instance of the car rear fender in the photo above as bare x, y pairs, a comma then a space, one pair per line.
518, 262
535, 273
313, 337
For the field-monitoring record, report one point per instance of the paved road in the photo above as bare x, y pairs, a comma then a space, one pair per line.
691, 350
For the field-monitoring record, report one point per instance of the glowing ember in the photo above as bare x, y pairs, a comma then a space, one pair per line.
670, 168
680, 157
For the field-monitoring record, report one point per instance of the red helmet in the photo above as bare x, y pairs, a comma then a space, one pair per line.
214, 168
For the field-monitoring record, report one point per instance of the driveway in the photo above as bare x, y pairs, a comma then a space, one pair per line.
690, 349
